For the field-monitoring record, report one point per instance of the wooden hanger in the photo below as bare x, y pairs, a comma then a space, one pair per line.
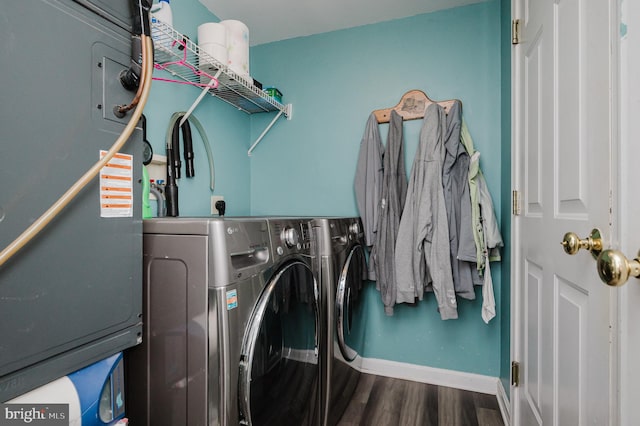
412, 106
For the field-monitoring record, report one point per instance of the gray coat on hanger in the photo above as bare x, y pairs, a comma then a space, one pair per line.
394, 191
422, 248
455, 182
368, 183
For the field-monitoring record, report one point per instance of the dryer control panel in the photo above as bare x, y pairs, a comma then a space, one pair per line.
289, 236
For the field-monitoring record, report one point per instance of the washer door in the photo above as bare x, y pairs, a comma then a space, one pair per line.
278, 377
348, 302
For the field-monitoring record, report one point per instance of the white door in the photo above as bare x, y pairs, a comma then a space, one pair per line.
564, 116
629, 211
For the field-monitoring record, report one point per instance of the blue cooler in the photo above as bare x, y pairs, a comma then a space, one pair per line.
95, 394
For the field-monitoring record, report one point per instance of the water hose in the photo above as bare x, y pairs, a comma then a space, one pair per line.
203, 135
162, 210
34, 229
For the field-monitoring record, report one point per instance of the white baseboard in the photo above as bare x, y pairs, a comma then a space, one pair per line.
435, 376
504, 403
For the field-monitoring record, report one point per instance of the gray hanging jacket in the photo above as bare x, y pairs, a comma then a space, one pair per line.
394, 191
422, 248
455, 183
368, 184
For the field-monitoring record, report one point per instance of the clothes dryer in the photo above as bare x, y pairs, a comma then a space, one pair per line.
230, 325
279, 359
340, 266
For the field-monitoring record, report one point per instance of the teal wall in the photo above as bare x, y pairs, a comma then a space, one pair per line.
226, 128
306, 166
505, 302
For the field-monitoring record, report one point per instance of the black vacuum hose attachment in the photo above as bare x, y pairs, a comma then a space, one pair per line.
188, 148
173, 170
175, 148
171, 188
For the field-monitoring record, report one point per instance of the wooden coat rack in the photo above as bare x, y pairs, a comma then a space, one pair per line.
412, 106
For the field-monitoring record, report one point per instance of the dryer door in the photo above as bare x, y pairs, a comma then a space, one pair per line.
348, 304
278, 380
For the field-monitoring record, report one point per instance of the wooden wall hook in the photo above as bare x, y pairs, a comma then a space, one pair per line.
412, 106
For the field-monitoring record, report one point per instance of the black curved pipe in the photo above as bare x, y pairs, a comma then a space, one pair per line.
147, 153
130, 78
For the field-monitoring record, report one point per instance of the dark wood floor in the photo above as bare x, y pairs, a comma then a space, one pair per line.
382, 401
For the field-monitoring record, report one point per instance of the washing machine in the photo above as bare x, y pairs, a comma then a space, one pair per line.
231, 324
340, 266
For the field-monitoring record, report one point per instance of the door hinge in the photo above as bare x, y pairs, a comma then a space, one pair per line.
515, 31
515, 209
515, 373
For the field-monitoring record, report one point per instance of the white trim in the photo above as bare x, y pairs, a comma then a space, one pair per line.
504, 404
435, 376
628, 206
517, 12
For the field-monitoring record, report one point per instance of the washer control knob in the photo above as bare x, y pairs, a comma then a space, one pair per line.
290, 237
354, 228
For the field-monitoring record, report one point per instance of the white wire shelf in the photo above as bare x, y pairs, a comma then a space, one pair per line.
184, 59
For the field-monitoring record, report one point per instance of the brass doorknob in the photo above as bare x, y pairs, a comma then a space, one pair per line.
572, 243
615, 269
